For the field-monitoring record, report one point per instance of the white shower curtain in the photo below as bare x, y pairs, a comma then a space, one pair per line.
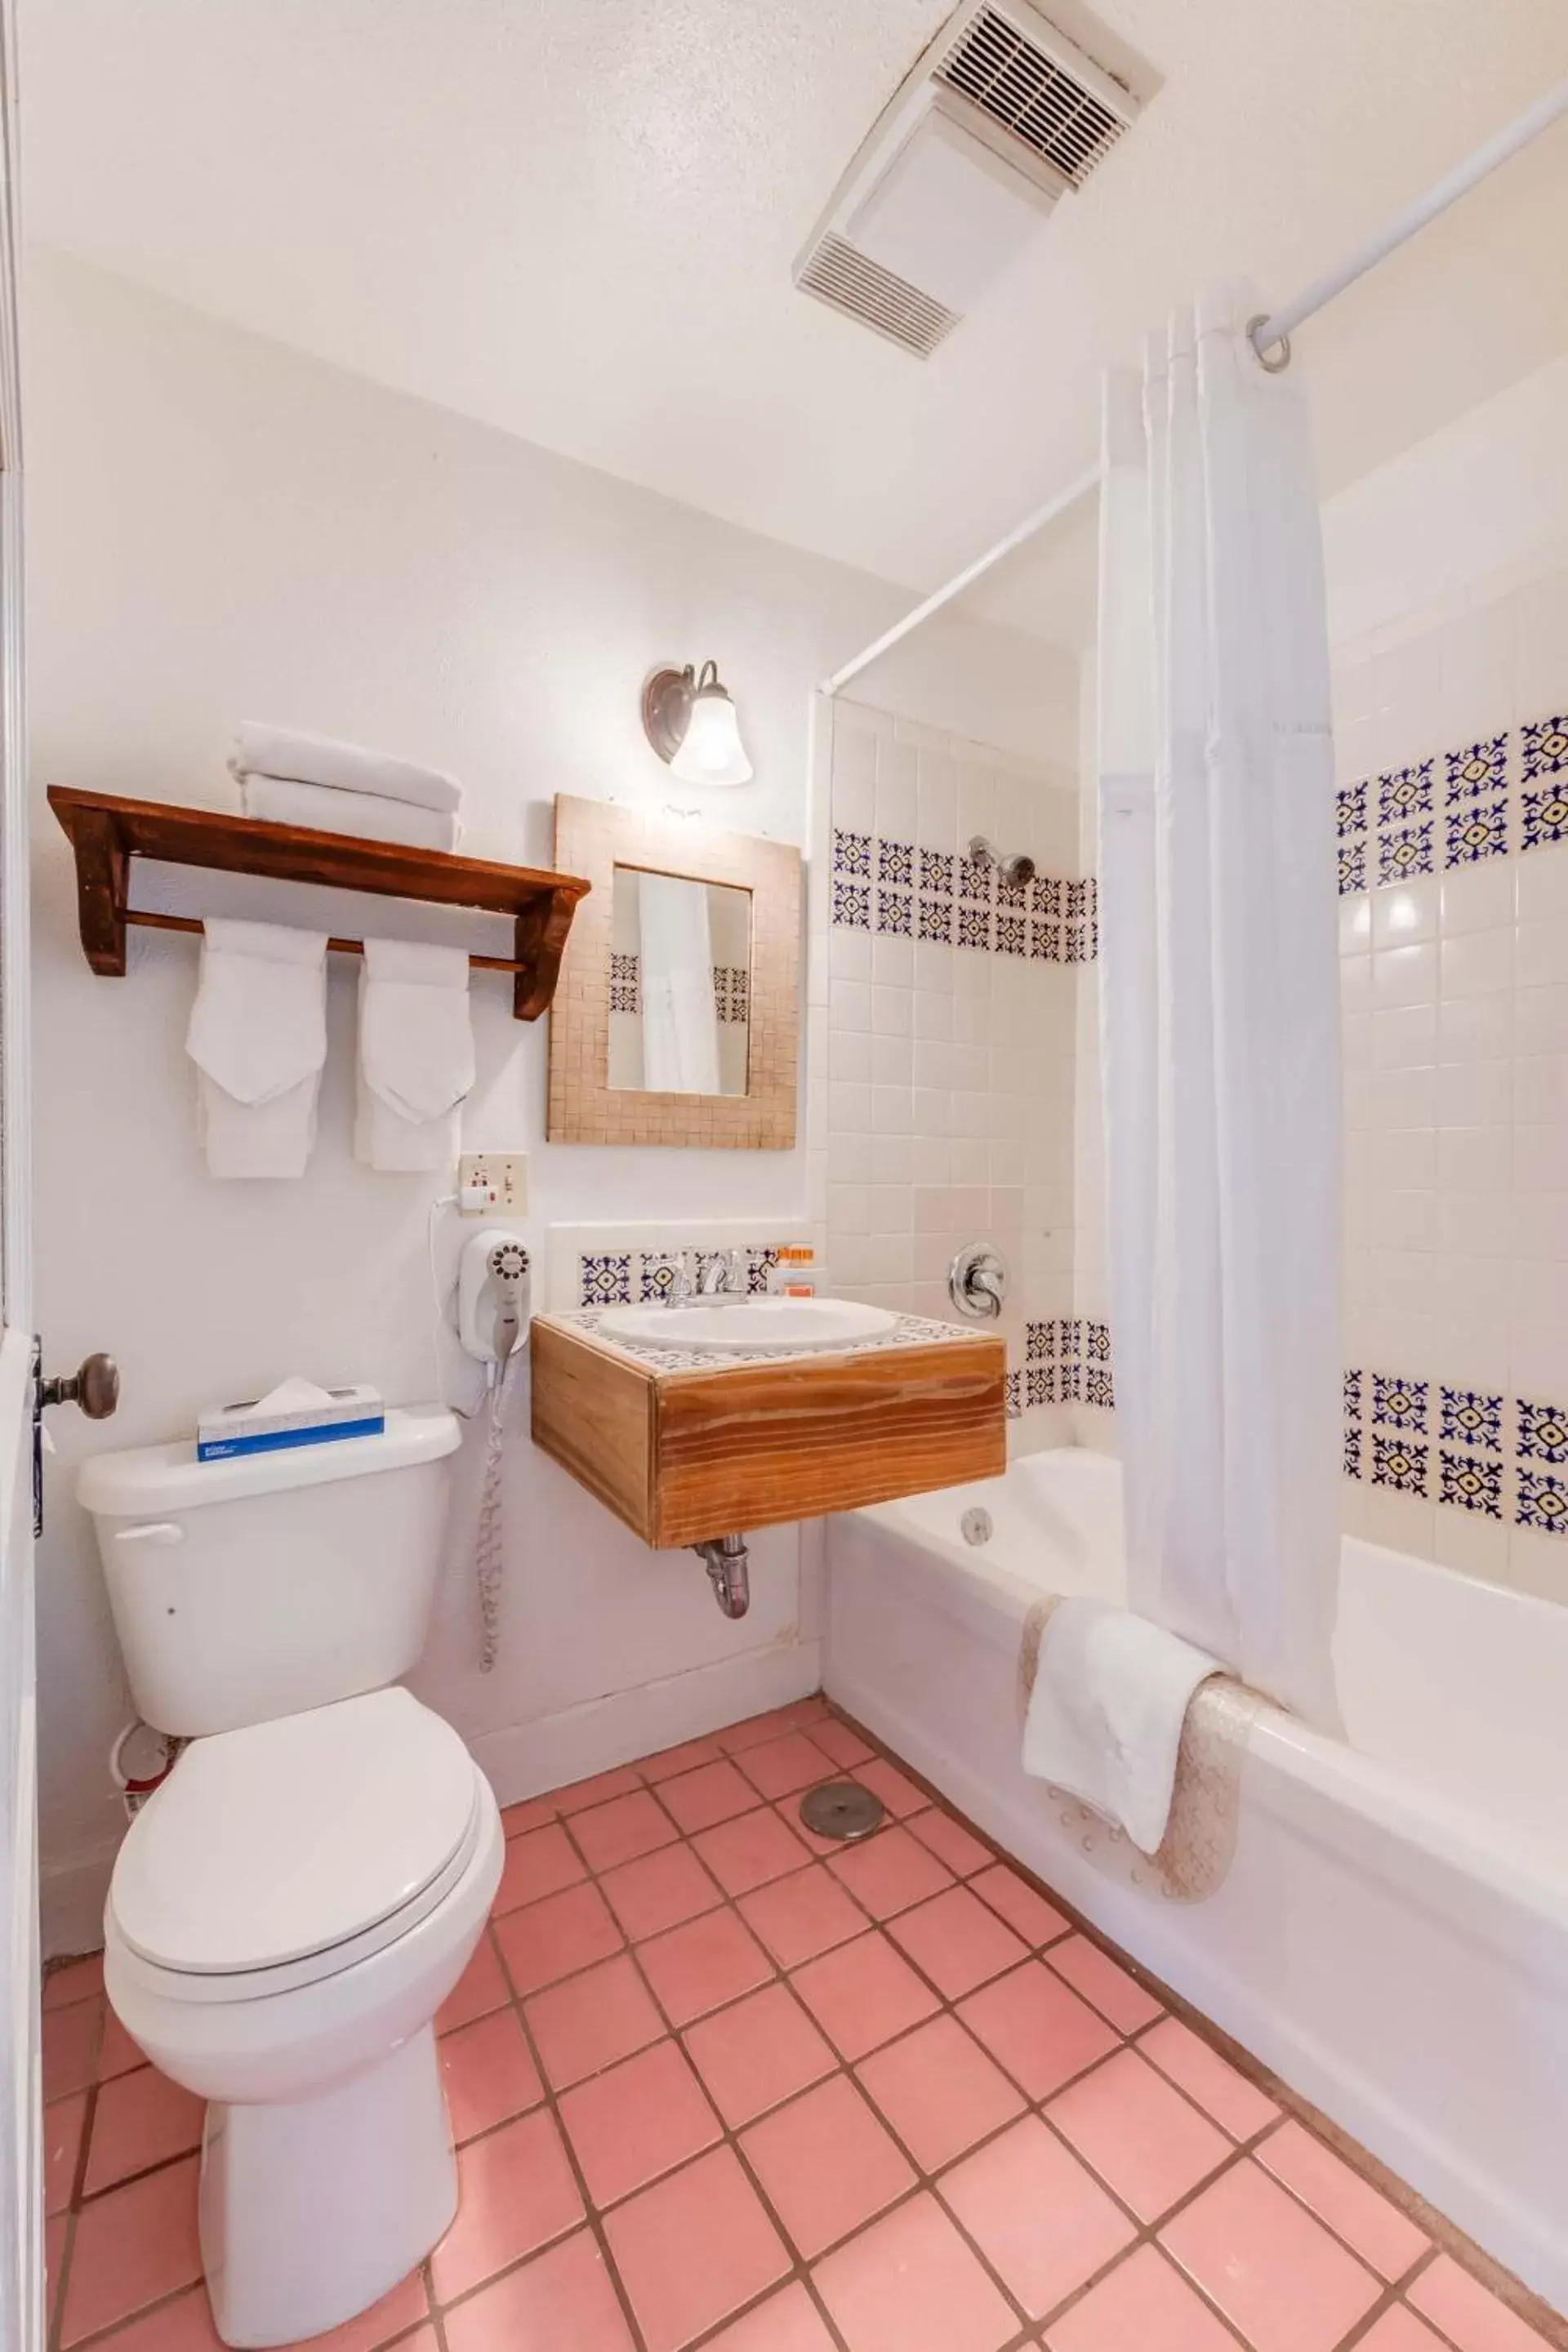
1220, 1003
679, 1018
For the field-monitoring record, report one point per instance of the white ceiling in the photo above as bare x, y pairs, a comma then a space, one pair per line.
575, 220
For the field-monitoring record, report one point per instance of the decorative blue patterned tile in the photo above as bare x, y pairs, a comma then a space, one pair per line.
1012, 895
976, 879
1546, 746
1014, 1390
1092, 898
1401, 856
936, 873
1075, 902
1091, 943
1097, 1342
1477, 831
1069, 1336
1478, 768
852, 854
1399, 1403
974, 927
1097, 1386
895, 913
896, 863
1545, 816
760, 1264
1352, 867
1046, 897
1543, 1431
1353, 1395
1470, 1485
1012, 937
852, 905
656, 1276
1353, 1454
1039, 1340
1398, 1462
1542, 1501
1069, 1382
740, 995
1468, 1417
1350, 809
1045, 942
626, 984
1405, 792
1075, 943
604, 1281
934, 920
1041, 1383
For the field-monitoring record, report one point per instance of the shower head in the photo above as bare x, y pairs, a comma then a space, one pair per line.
1018, 869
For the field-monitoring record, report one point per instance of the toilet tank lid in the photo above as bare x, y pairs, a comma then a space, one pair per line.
152, 1480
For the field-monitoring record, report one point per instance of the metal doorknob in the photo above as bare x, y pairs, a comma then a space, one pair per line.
94, 1386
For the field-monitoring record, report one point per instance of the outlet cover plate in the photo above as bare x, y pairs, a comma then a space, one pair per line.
501, 1177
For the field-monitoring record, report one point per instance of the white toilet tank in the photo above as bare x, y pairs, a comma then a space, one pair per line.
244, 1590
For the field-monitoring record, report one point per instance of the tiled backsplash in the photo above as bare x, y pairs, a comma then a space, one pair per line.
947, 898
631, 1277
1454, 808
1473, 1450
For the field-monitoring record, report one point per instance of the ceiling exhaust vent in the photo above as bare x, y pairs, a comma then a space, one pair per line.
1002, 117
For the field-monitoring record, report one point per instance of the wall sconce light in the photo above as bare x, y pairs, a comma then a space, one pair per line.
690, 721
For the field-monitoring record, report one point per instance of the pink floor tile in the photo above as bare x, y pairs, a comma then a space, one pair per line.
545, 1941
515, 2191
622, 1829
750, 1849
488, 2073
531, 1814
800, 1915
1141, 2136
950, 1841
658, 1891
1400, 2331
843, 1748
788, 2321
940, 2091
1023, 1908
957, 1941
758, 2051
1274, 2272
1143, 2303
1041, 2220
684, 1758
1237, 2104
781, 1767
826, 2164
141, 2119
185, 2326
709, 1961
788, 1811
591, 2021
118, 2054
62, 2146
889, 1873
538, 1863
862, 1994
1378, 2231
132, 2247
641, 2118
694, 2248
78, 1980
796, 1717
1116, 1994
54, 2232
900, 1795
70, 2042
562, 2301
714, 1793
908, 2284
579, 1794
1469, 2313
1038, 2028
481, 1988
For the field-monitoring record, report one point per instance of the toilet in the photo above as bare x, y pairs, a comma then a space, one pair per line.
290, 1909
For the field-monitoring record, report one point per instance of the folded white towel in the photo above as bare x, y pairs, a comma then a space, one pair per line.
415, 1054
257, 1034
260, 749
367, 816
1105, 1717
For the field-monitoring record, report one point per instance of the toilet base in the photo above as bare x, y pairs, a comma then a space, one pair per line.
313, 2209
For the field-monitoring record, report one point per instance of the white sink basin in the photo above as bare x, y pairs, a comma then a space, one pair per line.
798, 1324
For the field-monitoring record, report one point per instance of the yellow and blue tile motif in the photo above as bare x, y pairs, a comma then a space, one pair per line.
1400, 1404
1469, 1417
1542, 1501
1402, 856
1477, 831
1546, 746
1469, 1484
1476, 769
1543, 1431
1400, 1463
1405, 792
1350, 809
1546, 816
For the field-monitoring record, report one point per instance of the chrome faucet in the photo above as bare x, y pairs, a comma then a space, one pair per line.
723, 1276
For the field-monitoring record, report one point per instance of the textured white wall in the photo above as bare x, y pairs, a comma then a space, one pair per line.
218, 528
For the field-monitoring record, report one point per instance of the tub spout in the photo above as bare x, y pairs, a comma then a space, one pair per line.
725, 1558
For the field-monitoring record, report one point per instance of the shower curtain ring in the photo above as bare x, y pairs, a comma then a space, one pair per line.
1281, 359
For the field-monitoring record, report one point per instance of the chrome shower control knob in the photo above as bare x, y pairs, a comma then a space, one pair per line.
977, 1282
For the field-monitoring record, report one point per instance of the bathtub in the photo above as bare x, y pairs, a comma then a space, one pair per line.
1391, 1938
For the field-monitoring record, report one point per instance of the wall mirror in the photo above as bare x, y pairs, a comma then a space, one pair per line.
675, 1020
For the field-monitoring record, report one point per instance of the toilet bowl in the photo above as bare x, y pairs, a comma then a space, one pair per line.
286, 1914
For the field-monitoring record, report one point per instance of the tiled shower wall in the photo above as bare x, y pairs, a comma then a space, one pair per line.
949, 1032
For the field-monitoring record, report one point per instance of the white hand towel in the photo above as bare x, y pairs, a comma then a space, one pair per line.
257, 1036
1105, 1715
415, 1054
367, 816
260, 749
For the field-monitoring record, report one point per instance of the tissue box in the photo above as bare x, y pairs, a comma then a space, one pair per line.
265, 1426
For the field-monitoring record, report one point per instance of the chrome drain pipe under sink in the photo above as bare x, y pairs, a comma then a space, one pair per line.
726, 1560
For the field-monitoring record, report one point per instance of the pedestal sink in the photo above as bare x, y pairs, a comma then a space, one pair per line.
804, 1326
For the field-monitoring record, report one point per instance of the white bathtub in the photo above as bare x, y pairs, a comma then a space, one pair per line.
1393, 1938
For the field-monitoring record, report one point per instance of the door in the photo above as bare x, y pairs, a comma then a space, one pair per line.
22, 2293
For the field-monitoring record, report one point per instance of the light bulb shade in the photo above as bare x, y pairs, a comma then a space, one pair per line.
710, 750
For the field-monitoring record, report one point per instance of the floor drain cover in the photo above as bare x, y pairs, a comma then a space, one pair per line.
842, 1809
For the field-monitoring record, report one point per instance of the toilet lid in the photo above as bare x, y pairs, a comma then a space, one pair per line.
283, 1839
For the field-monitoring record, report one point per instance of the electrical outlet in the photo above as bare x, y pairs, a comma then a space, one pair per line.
492, 1183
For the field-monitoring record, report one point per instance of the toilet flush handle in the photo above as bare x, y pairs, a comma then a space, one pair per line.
153, 1532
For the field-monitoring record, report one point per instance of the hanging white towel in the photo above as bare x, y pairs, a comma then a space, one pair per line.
1110, 1696
415, 1054
261, 750
257, 1036
368, 816
679, 1018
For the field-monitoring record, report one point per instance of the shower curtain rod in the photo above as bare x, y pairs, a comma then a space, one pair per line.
1265, 333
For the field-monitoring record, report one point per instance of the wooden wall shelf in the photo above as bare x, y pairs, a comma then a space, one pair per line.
107, 831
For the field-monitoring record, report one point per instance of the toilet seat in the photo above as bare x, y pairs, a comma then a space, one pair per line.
281, 1854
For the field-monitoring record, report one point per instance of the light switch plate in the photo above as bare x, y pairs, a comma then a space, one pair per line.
491, 1183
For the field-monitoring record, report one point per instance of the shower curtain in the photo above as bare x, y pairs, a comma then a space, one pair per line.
679, 1018
1219, 981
